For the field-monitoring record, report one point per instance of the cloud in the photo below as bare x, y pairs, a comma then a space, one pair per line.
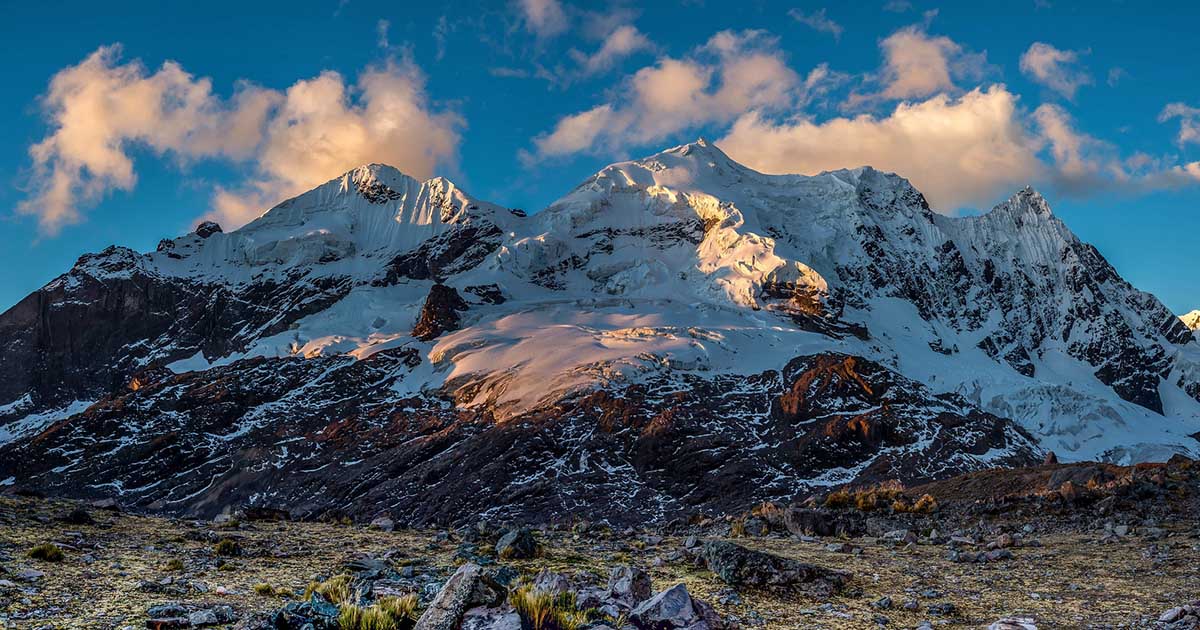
1056, 69
544, 18
917, 64
959, 151
1189, 121
100, 110
621, 43
732, 73
381, 33
897, 6
818, 21
323, 128
1116, 75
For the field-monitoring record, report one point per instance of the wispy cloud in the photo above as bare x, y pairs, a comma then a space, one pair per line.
818, 21
1059, 70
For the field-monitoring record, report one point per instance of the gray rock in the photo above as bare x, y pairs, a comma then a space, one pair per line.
491, 618
383, 523
467, 588
1013, 623
203, 618
671, 608
629, 586
517, 544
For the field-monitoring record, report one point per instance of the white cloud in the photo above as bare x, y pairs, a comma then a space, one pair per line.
734, 72
916, 64
958, 151
1189, 121
1056, 69
897, 6
818, 21
101, 109
544, 18
624, 41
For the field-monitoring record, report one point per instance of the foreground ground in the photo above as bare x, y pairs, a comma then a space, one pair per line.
1097, 567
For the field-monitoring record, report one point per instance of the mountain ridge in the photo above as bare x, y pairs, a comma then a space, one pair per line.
682, 271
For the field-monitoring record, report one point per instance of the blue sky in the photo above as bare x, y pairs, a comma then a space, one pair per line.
1094, 103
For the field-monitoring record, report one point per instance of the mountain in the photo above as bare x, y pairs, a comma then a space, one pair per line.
1191, 320
677, 334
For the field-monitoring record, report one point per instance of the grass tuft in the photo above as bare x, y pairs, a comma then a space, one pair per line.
227, 547
48, 552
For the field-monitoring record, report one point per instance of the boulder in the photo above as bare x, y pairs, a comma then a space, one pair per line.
739, 566
629, 586
672, 608
467, 588
1013, 623
491, 618
383, 523
816, 522
517, 544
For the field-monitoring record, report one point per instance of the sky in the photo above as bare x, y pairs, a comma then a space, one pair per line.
128, 124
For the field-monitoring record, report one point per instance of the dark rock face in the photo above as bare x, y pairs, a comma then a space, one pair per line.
715, 445
740, 566
207, 229
440, 313
87, 333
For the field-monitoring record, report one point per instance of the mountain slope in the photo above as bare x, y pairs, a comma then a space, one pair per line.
588, 349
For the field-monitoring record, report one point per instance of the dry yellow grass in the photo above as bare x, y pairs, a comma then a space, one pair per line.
1070, 582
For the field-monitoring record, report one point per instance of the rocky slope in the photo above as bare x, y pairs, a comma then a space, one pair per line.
677, 333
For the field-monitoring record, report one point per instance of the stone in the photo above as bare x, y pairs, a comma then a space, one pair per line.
690, 542
78, 516
671, 608
517, 544
490, 618
203, 618
815, 522
383, 523
1013, 623
944, 608
1050, 459
740, 566
883, 603
169, 609
167, 623
629, 586
264, 513
467, 588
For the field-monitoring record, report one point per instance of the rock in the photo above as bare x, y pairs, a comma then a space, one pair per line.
840, 547
1013, 623
440, 313
207, 229
944, 608
883, 603
485, 618
1122, 530
672, 608
815, 522
517, 544
628, 585
740, 566
1050, 459
1068, 492
902, 535
78, 516
167, 623
690, 542
203, 618
170, 609
30, 575
383, 523
467, 588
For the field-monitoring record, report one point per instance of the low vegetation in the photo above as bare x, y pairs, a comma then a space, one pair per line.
48, 552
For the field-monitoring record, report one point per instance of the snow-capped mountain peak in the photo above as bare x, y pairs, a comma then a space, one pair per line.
1191, 320
681, 294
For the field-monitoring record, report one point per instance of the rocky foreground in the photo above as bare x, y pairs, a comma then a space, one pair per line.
1052, 546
